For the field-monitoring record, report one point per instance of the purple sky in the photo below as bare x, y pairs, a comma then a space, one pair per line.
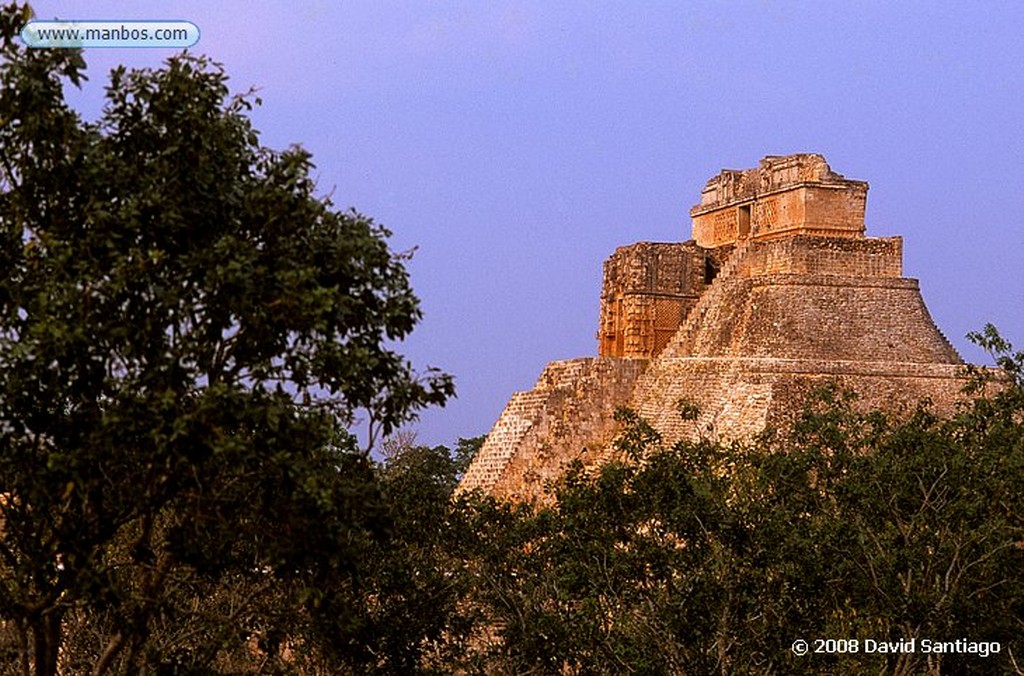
517, 144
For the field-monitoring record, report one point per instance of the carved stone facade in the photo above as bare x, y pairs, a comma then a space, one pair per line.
648, 290
779, 293
795, 194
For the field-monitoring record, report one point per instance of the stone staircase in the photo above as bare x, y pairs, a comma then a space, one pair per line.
680, 344
660, 377
570, 406
521, 414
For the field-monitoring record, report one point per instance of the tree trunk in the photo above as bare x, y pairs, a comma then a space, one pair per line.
23, 644
46, 641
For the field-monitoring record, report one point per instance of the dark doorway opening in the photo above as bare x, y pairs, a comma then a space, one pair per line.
710, 270
743, 221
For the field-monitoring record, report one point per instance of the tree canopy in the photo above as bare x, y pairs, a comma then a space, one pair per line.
709, 558
186, 332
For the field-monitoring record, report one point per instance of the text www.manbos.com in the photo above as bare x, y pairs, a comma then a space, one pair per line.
76, 34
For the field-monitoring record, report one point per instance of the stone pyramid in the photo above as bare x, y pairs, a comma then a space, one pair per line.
778, 293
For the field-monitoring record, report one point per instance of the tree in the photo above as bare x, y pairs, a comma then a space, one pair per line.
417, 614
186, 332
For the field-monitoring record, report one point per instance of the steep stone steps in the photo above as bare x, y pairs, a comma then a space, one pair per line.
682, 342
521, 413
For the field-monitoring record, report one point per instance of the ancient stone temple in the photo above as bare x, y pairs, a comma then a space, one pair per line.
778, 293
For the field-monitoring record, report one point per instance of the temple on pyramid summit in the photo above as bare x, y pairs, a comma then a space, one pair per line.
778, 293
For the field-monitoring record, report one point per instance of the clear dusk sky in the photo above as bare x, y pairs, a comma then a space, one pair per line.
516, 144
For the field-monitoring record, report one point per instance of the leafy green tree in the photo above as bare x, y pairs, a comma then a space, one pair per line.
465, 450
186, 332
417, 616
618, 575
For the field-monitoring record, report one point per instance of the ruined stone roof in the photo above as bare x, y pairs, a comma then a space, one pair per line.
774, 173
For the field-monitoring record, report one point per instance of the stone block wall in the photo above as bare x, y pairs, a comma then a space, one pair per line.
834, 211
740, 397
799, 316
568, 415
803, 254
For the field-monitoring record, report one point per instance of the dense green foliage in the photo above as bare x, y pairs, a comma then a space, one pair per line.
702, 558
186, 332
705, 558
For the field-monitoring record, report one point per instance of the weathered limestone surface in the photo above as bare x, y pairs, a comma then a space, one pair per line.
795, 194
836, 317
780, 294
648, 289
568, 415
740, 397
